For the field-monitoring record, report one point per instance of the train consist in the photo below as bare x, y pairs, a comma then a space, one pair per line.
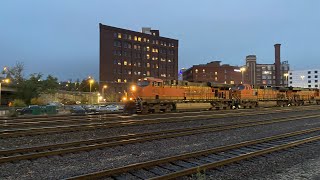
154, 95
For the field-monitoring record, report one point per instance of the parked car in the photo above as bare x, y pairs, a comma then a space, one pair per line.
90, 108
26, 110
77, 110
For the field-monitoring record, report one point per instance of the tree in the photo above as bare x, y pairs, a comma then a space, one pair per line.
15, 73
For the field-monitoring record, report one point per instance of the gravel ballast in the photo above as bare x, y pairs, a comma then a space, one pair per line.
75, 164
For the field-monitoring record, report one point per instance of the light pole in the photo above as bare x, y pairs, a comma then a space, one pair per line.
91, 81
5, 81
243, 69
103, 90
286, 75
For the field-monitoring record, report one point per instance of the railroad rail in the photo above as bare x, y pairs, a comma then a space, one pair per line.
122, 123
73, 147
191, 163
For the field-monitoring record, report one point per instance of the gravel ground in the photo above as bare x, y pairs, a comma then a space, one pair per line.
46, 139
58, 167
302, 162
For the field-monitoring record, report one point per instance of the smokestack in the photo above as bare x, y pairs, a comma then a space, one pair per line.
277, 64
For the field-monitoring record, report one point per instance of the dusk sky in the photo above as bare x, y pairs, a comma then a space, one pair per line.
61, 37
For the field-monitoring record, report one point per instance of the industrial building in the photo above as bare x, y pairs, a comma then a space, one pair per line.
213, 72
304, 78
128, 56
266, 74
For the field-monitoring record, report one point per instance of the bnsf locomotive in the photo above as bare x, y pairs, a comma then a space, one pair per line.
154, 95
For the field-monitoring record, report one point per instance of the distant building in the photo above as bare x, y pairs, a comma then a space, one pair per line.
305, 78
180, 74
267, 74
213, 72
127, 56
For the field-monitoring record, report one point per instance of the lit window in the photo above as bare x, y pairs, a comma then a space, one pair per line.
125, 63
125, 80
216, 78
148, 56
119, 35
215, 73
157, 66
148, 65
139, 72
203, 70
148, 73
196, 69
231, 82
148, 48
163, 59
135, 38
139, 38
129, 37
119, 80
169, 60
129, 72
148, 40
119, 63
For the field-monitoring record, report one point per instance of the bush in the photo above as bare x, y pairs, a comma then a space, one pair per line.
37, 101
18, 103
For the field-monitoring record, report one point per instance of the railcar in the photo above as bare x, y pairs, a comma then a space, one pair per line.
155, 95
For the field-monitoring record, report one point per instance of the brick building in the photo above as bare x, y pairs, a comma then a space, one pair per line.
128, 56
213, 72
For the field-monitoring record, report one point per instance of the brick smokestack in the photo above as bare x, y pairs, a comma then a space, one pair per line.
277, 64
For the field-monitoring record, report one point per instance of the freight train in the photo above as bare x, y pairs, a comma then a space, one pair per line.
155, 95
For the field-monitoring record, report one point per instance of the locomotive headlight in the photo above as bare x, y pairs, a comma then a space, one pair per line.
133, 88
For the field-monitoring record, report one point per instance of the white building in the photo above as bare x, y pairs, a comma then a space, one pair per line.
305, 78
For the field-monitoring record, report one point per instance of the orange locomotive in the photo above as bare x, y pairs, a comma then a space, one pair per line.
154, 95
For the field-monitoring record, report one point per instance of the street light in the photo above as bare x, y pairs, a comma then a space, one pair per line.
243, 69
286, 75
91, 81
103, 90
3, 81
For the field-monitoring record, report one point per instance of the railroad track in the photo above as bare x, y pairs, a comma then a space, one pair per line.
35, 121
121, 123
74, 147
191, 163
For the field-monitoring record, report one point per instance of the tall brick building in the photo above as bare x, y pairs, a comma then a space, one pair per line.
128, 56
213, 72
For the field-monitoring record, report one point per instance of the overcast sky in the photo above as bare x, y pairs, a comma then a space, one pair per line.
61, 37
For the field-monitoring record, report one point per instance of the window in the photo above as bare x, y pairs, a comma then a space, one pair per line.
148, 73
196, 70
115, 35
309, 86
316, 76
163, 59
316, 81
290, 82
129, 37
290, 77
125, 36
125, 80
215, 73
290, 73
316, 72
216, 78
148, 56
148, 65
309, 81
169, 60
203, 70
139, 39
316, 85
148, 48
309, 72
119, 35
119, 80
135, 38
309, 76
129, 72
125, 63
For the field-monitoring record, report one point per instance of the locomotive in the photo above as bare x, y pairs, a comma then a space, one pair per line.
156, 95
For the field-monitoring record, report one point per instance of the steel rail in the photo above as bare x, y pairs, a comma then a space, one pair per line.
153, 163
121, 123
129, 139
